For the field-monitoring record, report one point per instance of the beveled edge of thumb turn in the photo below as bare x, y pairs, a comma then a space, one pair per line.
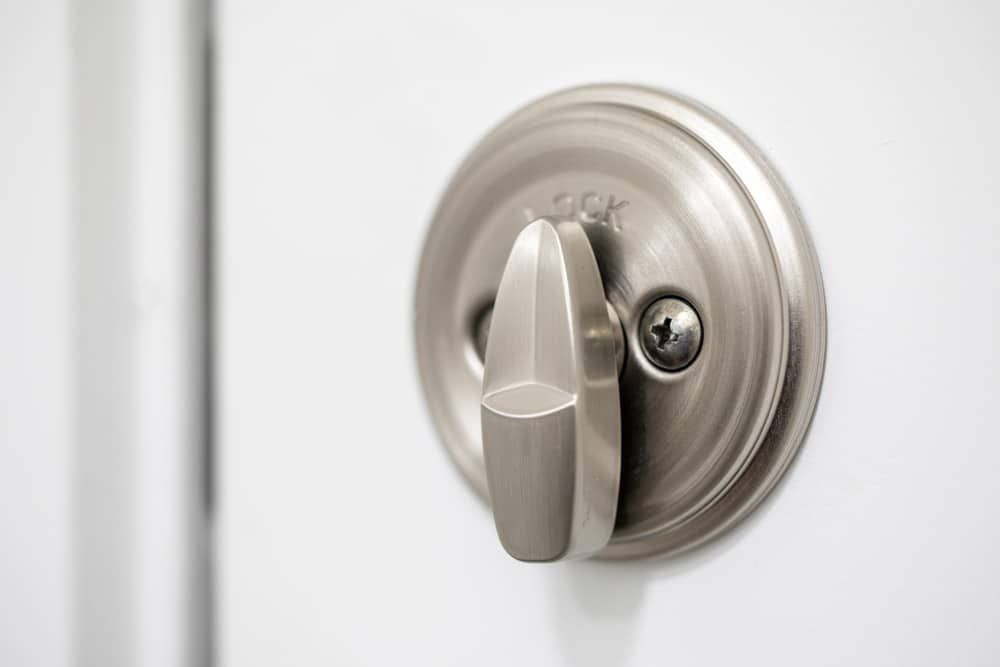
550, 411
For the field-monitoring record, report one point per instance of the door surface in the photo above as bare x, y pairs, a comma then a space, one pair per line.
345, 534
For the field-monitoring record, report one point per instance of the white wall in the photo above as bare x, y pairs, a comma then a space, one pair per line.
348, 538
35, 335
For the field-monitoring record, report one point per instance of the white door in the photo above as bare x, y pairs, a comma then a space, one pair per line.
347, 537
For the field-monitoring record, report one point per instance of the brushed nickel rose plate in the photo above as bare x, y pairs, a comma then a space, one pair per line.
620, 324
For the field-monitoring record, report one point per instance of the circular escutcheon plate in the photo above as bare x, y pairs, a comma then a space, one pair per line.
675, 202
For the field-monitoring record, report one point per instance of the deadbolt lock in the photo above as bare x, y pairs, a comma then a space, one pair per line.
620, 325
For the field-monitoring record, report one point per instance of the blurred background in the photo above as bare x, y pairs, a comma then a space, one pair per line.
105, 412
213, 445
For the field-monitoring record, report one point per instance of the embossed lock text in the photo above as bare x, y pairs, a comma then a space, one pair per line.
588, 208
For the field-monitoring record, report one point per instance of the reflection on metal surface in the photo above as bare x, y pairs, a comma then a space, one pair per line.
550, 417
707, 221
671, 333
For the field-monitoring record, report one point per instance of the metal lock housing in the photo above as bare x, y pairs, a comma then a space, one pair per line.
674, 202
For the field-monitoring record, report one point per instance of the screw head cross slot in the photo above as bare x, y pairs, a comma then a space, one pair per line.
671, 333
664, 333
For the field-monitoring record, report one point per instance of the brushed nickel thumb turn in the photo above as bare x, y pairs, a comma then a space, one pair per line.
550, 410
